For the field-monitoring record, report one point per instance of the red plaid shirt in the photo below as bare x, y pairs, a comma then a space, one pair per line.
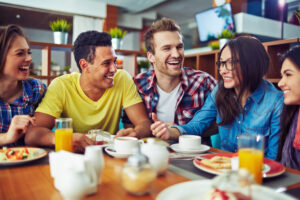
195, 86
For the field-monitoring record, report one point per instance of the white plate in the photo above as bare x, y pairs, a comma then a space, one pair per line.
202, 148
194, 190
111, 151
36, 153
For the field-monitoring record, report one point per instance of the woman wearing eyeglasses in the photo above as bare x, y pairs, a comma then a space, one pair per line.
242, 103
289, 143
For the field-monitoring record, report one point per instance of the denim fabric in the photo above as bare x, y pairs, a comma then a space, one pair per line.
260, 115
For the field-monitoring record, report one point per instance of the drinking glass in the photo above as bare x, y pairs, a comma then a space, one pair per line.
251, 154
63, 134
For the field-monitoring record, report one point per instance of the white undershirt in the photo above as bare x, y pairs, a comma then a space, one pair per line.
166, 106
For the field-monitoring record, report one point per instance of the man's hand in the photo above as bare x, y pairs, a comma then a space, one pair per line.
18, 127
80, 141
127, 132
161, 130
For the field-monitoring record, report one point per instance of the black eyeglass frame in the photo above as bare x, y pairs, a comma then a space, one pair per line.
233, 62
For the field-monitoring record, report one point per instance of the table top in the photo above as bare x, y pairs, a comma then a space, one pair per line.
35, 182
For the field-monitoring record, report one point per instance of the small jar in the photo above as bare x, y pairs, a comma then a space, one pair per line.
138, 175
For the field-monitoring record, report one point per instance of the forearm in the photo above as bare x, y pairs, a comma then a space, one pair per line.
3, 139
40, 136
143, 129
174, 133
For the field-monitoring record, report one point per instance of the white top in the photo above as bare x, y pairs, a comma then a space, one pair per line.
166, 106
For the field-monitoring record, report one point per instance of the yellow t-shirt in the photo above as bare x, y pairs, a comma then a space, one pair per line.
65, 98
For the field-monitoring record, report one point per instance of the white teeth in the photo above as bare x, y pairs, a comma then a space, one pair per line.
24, 67
173, 63
286, 91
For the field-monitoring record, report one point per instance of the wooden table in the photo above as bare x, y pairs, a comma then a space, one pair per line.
34, 182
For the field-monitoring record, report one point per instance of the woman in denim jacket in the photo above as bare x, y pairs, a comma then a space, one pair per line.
289, 143
242, 103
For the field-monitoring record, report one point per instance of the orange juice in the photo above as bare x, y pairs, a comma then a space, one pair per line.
252, 160
63, 139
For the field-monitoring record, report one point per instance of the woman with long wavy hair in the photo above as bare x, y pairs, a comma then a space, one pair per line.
289, 142
242, 103
19, 94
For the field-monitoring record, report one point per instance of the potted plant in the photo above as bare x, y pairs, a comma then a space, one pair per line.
143, 65
60, 28
225, 36
117, 35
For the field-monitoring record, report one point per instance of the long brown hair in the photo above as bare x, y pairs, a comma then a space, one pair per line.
7, 36
253, 65
288, 111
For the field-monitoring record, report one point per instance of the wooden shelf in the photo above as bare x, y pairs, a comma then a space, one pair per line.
206, 61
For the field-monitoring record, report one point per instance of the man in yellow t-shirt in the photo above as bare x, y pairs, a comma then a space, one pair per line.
93, 98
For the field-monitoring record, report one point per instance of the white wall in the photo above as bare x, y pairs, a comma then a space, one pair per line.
80, 7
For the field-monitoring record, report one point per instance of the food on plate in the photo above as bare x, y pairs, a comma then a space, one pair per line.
12, 154
231, 185
218, 162
216, 194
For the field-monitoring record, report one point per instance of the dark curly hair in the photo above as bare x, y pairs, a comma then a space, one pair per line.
85, 44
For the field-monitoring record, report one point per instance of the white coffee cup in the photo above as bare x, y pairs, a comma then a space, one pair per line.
189, 142
126, 145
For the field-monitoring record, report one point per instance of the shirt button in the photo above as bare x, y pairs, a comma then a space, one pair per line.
239, 122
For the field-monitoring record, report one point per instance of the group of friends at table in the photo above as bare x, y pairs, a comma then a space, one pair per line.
165, 102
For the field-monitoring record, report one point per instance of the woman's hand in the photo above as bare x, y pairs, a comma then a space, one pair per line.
161, 130
18, 127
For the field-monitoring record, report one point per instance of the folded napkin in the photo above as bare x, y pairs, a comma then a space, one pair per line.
63, 160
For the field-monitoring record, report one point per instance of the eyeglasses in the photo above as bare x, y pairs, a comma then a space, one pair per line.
229, 64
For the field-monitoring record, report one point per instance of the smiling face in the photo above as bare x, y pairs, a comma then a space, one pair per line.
230, 78
18, 59
169, 53
100, 73
290, 83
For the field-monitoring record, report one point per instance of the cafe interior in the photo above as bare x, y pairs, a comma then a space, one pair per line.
159, 169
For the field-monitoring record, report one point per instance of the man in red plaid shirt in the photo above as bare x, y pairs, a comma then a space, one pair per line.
171, 92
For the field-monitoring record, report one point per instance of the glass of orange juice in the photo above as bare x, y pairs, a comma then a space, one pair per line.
251, 155
63, 134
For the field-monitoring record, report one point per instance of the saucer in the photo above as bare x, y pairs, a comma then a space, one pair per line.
112, 152
202, 148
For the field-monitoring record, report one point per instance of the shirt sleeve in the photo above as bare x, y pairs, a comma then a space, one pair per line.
131, 95
52, 103
202, 119
271, 148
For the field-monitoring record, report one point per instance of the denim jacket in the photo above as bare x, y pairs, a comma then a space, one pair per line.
260, 115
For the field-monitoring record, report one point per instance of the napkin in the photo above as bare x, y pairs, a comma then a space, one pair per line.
63, 160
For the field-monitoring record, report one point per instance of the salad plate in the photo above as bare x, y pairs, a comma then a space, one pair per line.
20, 155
